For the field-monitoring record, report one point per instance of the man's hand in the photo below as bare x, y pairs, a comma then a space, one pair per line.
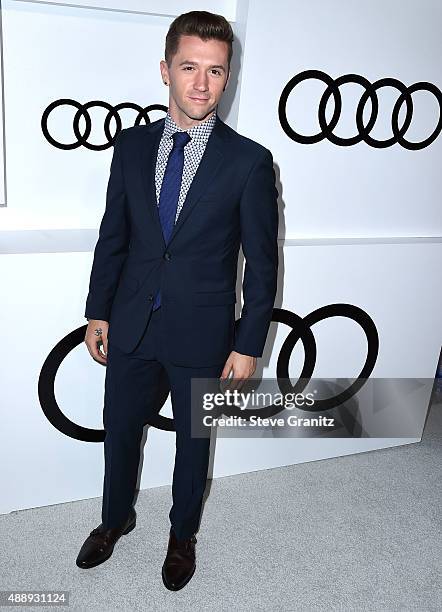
243, 366
94, 341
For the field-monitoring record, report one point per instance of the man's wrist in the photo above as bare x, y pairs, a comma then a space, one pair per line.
245, 354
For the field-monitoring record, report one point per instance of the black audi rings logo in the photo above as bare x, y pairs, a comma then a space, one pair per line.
82, 111
300, 330
363, 131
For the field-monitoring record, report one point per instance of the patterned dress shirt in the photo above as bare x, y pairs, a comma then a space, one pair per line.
193, 152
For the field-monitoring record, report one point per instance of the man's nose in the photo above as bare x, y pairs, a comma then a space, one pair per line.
201, 82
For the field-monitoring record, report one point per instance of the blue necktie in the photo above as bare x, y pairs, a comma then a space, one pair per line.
170, 191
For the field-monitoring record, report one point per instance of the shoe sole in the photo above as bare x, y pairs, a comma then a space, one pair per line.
181, 585
128, 530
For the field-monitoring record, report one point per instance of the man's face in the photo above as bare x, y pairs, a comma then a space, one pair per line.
196, 77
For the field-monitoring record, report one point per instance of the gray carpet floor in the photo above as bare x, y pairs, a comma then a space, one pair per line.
361, 532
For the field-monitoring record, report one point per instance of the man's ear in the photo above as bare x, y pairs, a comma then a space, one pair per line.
163, 72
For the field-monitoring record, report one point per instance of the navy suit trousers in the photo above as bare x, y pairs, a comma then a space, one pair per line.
131, 390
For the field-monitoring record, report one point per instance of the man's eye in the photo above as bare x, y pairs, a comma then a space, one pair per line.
218, 72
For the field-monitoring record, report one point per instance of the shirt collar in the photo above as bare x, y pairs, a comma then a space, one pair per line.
199, 133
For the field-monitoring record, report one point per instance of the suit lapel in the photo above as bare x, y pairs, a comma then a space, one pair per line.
208, 167
148, 166
210, 164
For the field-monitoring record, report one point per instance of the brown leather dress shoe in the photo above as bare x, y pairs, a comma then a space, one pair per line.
179, 565
99, 545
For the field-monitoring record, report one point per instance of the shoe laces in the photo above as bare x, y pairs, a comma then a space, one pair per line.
99, 531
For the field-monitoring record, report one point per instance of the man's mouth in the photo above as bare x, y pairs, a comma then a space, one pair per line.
198, 99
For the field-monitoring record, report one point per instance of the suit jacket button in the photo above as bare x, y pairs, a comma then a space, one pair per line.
167, 256
150, 298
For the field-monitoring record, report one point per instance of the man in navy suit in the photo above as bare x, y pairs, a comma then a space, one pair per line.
184, 193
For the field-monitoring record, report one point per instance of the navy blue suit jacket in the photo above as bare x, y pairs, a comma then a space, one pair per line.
232, 200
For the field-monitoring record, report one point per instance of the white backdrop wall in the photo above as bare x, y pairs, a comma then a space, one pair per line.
355, 191
359, 225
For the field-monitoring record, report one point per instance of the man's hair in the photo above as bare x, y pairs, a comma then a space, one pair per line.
198, 23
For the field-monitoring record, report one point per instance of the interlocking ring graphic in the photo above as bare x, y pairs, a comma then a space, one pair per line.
82, 111
300, 330
363, 131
